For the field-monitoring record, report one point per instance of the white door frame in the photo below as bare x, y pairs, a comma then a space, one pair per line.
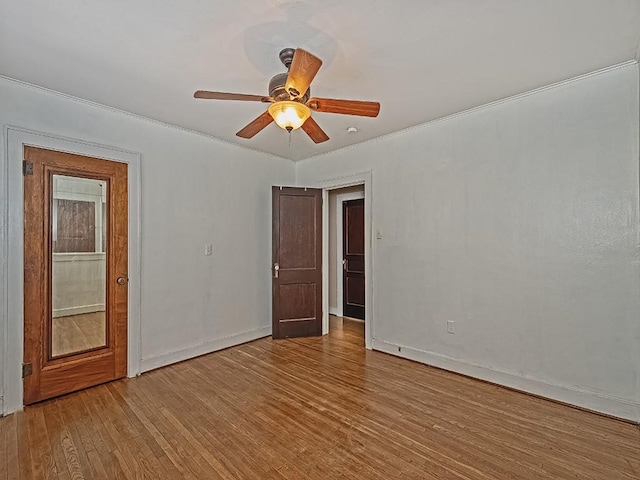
12, 251
340, 198
362, 178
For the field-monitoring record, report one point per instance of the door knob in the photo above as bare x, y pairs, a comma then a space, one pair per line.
344, 264
276, 269
122, 280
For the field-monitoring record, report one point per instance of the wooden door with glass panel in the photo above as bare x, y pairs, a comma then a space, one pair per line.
75, 272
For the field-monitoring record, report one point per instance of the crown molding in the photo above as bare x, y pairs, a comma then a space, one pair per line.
136, 116
479, 108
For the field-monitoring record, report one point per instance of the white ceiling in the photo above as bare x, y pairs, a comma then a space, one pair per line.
421, 59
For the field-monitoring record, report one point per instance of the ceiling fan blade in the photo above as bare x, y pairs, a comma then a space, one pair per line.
301, 72
231, 96
344, 107
254, 127
314, 131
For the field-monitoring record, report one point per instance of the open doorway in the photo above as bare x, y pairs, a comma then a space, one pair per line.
346, 265
303, 234
333, 187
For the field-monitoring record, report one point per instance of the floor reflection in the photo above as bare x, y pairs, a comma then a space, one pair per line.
77, 333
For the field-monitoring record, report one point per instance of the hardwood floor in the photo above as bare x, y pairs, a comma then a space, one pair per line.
76, 333
314, 408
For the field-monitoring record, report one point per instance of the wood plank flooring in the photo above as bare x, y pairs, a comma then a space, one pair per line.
315, 408
76, 333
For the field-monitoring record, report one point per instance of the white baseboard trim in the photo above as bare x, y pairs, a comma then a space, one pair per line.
157, 361
335, 311
597, 402
79, 310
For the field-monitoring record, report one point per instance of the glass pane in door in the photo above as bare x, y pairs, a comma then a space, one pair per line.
78, 265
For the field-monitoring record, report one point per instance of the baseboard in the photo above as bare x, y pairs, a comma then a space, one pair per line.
157, 361
608, 405
335, 311
79, 310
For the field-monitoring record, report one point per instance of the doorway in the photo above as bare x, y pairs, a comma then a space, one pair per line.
12, 250
339, 267
346, 257
353, 274
330, 188
75, 272
298, 251
362, 179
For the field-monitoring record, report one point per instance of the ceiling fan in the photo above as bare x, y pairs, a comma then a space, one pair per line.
291, 101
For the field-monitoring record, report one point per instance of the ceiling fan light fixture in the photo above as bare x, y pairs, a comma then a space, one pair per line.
289, 115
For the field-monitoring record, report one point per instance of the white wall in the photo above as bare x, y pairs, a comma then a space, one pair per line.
195, 191
519, 222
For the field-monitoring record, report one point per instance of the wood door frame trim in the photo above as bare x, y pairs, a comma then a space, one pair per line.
12, 243
361, 178
342, 197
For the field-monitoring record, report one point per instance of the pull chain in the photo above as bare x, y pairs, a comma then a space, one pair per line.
289, 140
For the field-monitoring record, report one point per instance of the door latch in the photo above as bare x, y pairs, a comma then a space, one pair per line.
27, 369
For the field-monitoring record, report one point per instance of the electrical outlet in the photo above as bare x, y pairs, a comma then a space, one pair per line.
208, 249
451, 326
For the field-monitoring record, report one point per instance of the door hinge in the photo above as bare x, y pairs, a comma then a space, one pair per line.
27, 168
27, 369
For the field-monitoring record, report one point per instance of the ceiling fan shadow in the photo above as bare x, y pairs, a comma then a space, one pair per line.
262, 42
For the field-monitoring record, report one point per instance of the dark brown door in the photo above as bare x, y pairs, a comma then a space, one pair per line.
353, 258
297, 262
75, 272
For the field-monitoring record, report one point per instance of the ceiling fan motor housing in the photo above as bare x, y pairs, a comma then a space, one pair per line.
286, 56
278, 92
